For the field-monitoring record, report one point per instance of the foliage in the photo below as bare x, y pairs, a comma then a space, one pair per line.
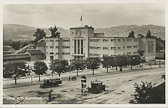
131, 35
134, 60
121, 60
15, 70
148, 35
39, 34
107, 62
15, 44
59, 66
40, 68
54, 32
93, 63
147, 93
78, 65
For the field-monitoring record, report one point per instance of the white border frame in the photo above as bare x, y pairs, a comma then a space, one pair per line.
79, 2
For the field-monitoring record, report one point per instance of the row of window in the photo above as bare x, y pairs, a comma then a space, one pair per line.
113, 40
112, 48
58, 40
64, 53
128, 53
58, 47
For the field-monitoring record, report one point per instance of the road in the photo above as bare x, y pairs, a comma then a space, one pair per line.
119, 88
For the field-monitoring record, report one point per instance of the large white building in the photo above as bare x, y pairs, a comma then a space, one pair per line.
83, 43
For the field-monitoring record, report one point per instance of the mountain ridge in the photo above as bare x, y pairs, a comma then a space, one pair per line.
23, 32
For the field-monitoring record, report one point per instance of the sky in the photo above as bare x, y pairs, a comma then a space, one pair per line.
96, 15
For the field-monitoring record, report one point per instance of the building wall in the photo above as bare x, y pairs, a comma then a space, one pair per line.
148, 45
36, 57
57, 48
83, 43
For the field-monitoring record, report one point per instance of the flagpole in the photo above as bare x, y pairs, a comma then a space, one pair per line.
81, 21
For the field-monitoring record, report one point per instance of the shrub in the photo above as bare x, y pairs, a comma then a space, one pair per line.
143, 93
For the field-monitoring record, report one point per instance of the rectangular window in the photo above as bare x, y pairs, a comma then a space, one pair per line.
129, 46
113, 40
51, 53
65, 53
105, 40
65, 46
105, 48
75, 46
57, 46
51, 47
82, 46
135, 46
119, 40
78, 46
113, 48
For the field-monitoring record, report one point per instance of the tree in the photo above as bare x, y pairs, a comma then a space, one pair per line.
40, 68
131, 35
148, 35
15, 70
54, 32
147, 93
59, 66
107, 62
134, 60
78, 64
93, 63
121, 60
39, 34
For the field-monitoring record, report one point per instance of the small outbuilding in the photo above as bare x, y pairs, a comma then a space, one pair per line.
35, 54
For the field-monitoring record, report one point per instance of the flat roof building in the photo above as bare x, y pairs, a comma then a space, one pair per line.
84, 42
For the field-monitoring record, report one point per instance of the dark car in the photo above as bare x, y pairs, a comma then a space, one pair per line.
51, 82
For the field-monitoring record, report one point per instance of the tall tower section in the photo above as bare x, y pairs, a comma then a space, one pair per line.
79, 41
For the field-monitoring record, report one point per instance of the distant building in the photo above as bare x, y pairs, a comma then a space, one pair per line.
16, 58
8, 50
35, 54
83, 43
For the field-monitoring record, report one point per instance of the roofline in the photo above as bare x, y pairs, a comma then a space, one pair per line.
82, 28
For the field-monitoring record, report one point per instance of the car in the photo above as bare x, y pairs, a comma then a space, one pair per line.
51, 82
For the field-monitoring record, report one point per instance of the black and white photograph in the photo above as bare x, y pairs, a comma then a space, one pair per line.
84, 53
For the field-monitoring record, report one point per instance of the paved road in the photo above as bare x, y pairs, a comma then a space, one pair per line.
119, 86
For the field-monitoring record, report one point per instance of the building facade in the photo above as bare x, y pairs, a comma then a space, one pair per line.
83, 43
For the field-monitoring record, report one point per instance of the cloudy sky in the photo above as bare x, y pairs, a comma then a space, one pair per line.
96, 15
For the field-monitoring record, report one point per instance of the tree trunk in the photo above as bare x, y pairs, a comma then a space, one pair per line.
131, 67
52, 73
121, 69
39, 77
77, 72
59, 75
93, 71
15, 80
116, 67
107, 69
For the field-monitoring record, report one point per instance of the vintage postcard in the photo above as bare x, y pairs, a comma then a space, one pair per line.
95, 53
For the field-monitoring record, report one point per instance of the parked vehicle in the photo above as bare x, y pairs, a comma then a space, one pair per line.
51, 82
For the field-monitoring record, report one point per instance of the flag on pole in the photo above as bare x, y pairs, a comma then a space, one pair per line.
81, 18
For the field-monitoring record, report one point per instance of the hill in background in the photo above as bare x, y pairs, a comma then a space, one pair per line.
123, 31
22, 32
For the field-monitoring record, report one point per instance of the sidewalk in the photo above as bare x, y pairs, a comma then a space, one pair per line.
26, 81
